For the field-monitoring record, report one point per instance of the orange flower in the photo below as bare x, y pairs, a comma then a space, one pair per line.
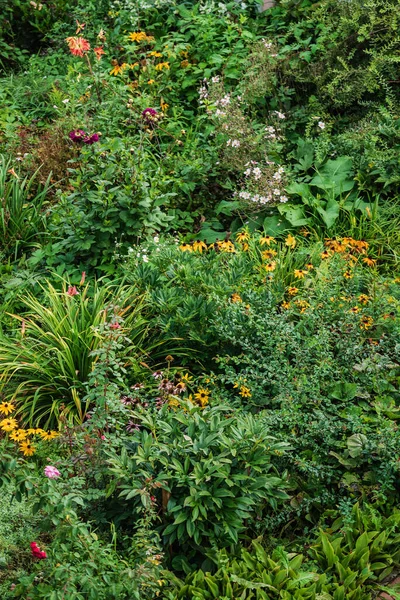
370, 262
236, 298
98, 52
78, 45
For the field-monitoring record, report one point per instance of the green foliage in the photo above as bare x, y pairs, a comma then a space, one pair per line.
22, 212
47, 362
215, 468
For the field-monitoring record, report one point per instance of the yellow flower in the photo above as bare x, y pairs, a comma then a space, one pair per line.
6, 408
366, 322
202, 396
226, 246
18, 435
325, 254
242, 236
186, 377
8, 424
245, 392
266, 239
173, 402
285, 305
245, 247
292, 291
310, 266
164, 106
137, 36
363, 299
302, 304
162, 65
355, 309
117, 69
300, 273
49, 435
151, 81
186, 248
31, 431
236, 298
370, 262
290, 241
136, 64
348, 274
199, 246
155, 54
271, 266
39, 431
268, 254
27, 448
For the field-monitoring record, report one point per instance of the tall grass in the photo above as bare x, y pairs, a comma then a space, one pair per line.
43, 368
22, 214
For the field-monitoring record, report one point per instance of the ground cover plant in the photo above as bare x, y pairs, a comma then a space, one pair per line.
199, 300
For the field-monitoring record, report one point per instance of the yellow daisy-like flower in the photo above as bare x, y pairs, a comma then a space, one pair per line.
8, 424
202, 396
292, 291
226, 246
137, 36
151, 81
348, 274
199, 246
173, 403
300, 273
117, 69
244, 391
363, 299
286, 305
18, 435
48, 435
155, 54
271, 266
290, 241
31, 431
355, 309
186, 248
242, 236
267, 254
366, 322
310, 266
325, 254
162, 65
6, 408
27, 448
267, 239
236, 298
164, 106
370, 262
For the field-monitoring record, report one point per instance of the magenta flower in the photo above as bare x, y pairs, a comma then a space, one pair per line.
51, 472
37, 552
150, 115
79, 136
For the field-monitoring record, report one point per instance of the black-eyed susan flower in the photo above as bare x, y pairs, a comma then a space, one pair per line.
244, 391
267, 239
268, 254
8, 424
292, 291
325, 254
366, 322
363, 299
202, 396
270, 266
18, 435
27, 448
199, 246
286, 305
355, 310
186, 248
6, 408
348, 274
370, 262
300, 273
242, 236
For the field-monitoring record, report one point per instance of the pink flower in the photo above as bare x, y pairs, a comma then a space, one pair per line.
51, 472
37, 552
72, 291
115, 325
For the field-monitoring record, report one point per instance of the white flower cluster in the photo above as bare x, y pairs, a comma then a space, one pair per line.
266, 179
233, 143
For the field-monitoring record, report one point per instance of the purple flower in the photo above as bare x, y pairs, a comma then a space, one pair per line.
77, 135
150, 115
51, 472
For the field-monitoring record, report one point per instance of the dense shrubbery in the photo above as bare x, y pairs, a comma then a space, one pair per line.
199, 324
